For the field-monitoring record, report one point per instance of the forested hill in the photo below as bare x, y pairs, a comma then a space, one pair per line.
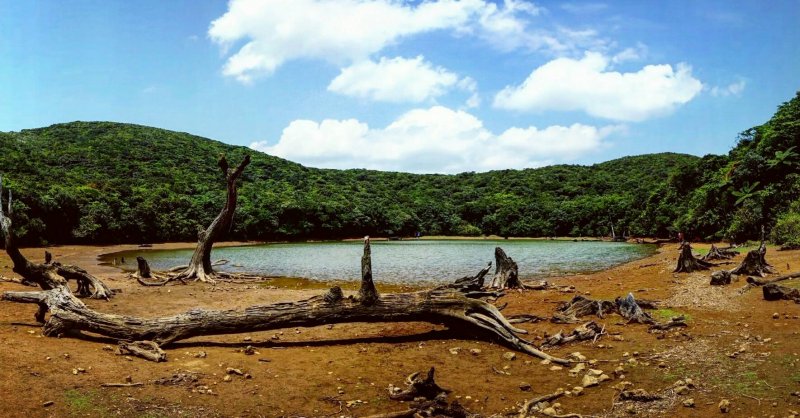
112, 182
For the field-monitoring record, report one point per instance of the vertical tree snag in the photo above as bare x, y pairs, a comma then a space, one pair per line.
367, 294
143, 268
755, 262
200, 267
687, 262
506, 274
48, 275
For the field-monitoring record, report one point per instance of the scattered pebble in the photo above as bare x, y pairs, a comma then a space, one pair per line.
724, 406
508, 355
525, 387
689, 403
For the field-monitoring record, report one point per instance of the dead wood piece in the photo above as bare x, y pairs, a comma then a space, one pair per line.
715, 253
639, 395
754, 264
506, 274
519, 319
588, 331
757, 281
676, 322
687, 262
147, 350
630, 310
529, 405
143, 268
121, 385
17, 281
438, 408
367, 293
419, 387
579, 306
721, 278
774, 292
179, 379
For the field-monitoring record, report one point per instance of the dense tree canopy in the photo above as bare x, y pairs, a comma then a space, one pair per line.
111, 182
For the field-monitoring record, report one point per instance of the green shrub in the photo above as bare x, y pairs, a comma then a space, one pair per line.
787, 230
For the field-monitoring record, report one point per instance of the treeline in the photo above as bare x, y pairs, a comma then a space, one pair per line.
107, 182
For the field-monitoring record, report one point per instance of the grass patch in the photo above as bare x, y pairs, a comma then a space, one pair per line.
666, 314
83, 403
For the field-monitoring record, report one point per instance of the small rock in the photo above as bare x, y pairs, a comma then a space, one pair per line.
603, 378
618, 338
525, 387
776, 315
48, 403
249, 350
577, 391
550, 411
594, 372
630, 409
246, 339
682, 390
455, 350
578, 369
578, 356
619, 371
724, 406
508, 355
231, 370
201, 354
545, 362
689, 382
128, 379
227, 378
108, 348
589, 381
556, 368
475, 351
689, 403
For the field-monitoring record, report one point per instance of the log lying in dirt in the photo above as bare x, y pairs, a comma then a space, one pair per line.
757, 281
581, 306
506, 275
774, 292
458, 306
687, 262
719, 254
49, 275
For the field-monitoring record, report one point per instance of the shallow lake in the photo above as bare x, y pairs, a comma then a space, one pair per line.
415, 262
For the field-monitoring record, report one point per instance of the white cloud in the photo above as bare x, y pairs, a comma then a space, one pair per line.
397, 80
584, 8
588, 85
434, 140
349, 31
733, 89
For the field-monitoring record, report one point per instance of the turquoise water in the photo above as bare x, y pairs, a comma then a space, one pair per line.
407, 262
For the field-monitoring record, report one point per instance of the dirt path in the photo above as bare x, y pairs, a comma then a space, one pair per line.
344, 370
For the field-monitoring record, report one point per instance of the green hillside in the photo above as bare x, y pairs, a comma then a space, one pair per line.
112, 182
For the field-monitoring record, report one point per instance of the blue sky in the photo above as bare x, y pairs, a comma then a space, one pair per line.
434, 86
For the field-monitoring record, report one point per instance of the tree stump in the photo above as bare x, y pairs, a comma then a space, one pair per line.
506, 275
687, 262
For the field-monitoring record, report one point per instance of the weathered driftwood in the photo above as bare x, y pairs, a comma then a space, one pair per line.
774, 292
716, 253
458, 306
588, 331
48, 275
419, 387
506, 275
687, 262
627, 307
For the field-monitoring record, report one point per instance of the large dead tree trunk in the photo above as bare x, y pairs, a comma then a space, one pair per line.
49, 275
687, 262
200, 267
458, 306
506, 275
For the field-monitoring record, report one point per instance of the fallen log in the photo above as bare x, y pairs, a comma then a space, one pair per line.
757, 281
458, 306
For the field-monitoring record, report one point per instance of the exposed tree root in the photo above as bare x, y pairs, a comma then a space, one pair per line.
580, 306
529, 405
719, 254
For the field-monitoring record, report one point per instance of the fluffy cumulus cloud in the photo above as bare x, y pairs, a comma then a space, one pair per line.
269, 33
589, 85
397, 80
434, 140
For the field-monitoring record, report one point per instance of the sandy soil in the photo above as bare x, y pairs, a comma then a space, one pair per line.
323, 371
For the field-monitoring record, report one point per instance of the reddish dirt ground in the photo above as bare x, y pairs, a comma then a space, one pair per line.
323, 371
